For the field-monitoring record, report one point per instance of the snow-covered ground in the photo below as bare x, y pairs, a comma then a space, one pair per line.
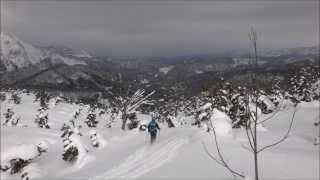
178, 152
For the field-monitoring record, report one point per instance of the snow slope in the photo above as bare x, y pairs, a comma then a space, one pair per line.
178, 152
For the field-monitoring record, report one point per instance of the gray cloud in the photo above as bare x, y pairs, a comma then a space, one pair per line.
161, 28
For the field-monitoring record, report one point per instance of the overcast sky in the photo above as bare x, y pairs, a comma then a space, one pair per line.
157, 28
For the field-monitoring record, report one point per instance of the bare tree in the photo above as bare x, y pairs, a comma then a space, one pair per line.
252, 96
129, 104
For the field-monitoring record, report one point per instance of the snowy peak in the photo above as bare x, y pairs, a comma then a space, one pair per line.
16, 54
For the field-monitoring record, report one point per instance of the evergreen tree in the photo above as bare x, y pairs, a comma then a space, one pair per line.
15, 98
75, 116
72, 144
238, 110
10, 117
222, 98
42, 116
300, 83
91, 117
276, 93
23, 159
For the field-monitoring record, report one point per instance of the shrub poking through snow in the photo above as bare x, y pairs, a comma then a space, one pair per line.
10, 118
96, 139
73, 147
19, 159
91, 118
317, 138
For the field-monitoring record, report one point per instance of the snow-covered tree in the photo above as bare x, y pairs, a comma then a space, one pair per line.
42, 115
301, 80
113, 113
238, 110
10, 118
42, 118
203, 115
276, 94
19, 159
75, 116
43, 98
265, 104
223, 95
73, 147
91, 117
15, 97
3, 97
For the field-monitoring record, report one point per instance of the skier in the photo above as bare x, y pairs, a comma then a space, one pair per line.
153, 127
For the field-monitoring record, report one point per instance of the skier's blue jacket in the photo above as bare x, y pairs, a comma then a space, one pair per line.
153, 126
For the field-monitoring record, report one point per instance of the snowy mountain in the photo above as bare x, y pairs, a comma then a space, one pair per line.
312, 50
54, 66
17, 54
59, 67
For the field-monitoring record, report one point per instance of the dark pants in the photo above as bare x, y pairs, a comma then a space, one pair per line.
153, 136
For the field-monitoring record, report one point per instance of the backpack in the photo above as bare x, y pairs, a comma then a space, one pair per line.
152, 127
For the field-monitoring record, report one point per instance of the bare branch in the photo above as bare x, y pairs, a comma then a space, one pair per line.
210, 155
221, 156
249, 137
284, 137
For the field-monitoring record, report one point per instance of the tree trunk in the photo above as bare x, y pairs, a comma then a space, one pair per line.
124, 121
256, 152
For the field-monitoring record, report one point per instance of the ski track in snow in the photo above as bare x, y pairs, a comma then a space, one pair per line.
145, 159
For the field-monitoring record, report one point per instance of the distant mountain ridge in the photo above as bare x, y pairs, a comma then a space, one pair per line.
60, 67
311, 50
